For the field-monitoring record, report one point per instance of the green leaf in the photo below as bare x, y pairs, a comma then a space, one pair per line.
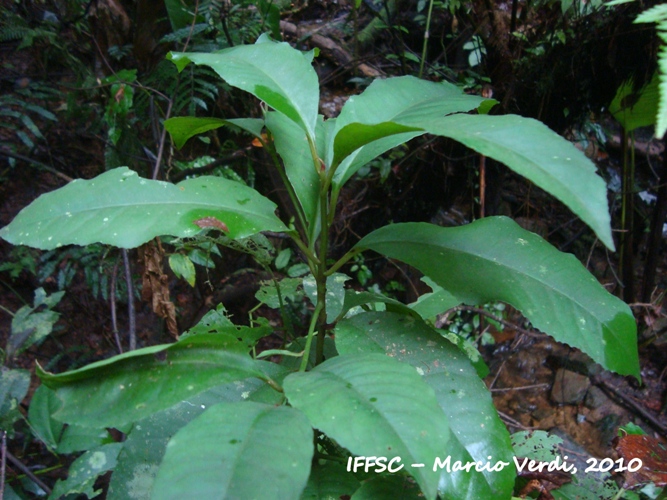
132, 386
636, 109
76, 438
388, 488
267, 293
179, 13
495, 259
85, 470
329, 481
658, 14
276, 73
536, 445
182, 128
238, 450
374, 406
183, 267
42, 405
292, 146
237, 338
429, 305
146, 443
534, 151
590, 487
355, 299
29, 326
400, 100
335, 293
14, 386
120, 208
357, 135
477, 432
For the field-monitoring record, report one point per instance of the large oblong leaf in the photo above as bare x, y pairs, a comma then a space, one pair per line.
134, 385
477, 432
495, 259
534, 151
366, 119
238, 450
374, 406
276, 73
145, 445
120, 208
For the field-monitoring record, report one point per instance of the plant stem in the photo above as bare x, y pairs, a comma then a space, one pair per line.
321, 267
19, 465
342, 261
426, 37
132, 328
3, 308
3, 463
309, 253
112, 305
309, 338
321, 277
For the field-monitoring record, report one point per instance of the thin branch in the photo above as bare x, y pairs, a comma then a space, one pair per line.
3, 464
522, 388
628, 401
39, 164
112, 300
17, 463
132, 327
163, 139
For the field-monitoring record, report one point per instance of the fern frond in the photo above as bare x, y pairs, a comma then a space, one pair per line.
9, 33
185, 33
658, 14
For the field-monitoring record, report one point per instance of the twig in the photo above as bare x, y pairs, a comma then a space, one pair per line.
514, 423
522, 388
112, 300
163, 138
17, 463
132, 328
44, 166
628, 401
493, 382
3, 464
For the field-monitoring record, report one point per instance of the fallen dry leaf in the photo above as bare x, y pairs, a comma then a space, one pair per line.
155, 285
653, 455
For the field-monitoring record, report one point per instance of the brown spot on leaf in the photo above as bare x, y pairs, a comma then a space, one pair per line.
212, 222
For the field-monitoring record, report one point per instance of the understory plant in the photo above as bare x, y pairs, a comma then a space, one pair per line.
206, 417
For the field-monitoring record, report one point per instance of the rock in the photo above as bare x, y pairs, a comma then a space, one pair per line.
569, 387
595, 398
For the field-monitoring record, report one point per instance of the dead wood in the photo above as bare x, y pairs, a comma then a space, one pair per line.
330, 49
